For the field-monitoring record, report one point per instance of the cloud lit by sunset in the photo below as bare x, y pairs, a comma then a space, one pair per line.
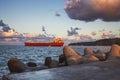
90, 10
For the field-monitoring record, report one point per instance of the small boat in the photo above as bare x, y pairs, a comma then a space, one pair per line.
56, 43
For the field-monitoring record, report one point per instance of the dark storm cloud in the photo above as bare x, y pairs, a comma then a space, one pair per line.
90, 10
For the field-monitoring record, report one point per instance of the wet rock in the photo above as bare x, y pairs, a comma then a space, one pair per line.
48, 61
53, 64
16, 66
71, 57
107, 55
88, 51
31, 64
36, 68
61, 59
115, 51
5, 77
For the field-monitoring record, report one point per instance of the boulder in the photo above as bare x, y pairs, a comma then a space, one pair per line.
100, 55
53, 64
61, 58
31, 64
71, 57
16, 66
48, 61
115, 51
78, 53
5, 77
89, 58
88, 51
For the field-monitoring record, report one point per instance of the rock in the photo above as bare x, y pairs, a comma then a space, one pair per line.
115, 51
61, 58
107, 55
88, 51
15, 65
78, 53
31, 64
91, 55
5, 77
48, 61
53, 64
100, 55
36, 68
89, 58
71, 57
106, 70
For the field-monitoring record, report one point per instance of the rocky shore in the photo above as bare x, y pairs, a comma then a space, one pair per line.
71, 66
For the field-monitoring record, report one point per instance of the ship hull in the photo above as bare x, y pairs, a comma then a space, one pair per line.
44, 44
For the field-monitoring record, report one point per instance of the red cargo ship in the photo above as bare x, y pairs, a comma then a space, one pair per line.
58, 42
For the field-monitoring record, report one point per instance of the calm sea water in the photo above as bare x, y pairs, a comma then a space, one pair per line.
35, 54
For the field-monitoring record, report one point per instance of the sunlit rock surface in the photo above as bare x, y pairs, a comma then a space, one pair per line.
88, 51
90, 58
105, 70
100, 55
72, 58
115, 51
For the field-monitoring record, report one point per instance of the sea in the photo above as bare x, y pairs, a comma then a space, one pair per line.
36, 54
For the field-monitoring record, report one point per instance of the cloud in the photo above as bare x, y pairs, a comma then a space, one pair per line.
85, 37
6, 31
57, 14
30, 35
93, 33
10, 33
108, 35
4, 26
105, 35
90, 10
73, 31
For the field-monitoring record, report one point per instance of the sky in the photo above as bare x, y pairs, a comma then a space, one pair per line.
71, 20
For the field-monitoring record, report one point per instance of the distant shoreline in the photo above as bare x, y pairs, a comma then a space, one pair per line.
102, 42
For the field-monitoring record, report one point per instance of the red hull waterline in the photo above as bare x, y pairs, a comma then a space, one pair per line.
44, 44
